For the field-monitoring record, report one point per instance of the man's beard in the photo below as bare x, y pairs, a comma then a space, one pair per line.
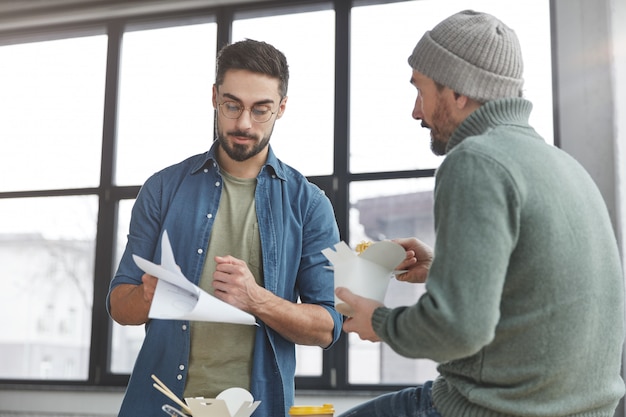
441, 129
240, 152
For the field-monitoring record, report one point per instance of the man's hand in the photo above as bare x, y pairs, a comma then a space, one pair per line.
361, 320
419, 257
234, 283
301, 323
149, 286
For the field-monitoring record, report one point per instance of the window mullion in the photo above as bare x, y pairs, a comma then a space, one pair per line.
101, 325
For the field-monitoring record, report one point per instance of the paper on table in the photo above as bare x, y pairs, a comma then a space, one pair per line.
178, 298
367, 274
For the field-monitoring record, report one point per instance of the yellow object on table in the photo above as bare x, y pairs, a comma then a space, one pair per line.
326, 410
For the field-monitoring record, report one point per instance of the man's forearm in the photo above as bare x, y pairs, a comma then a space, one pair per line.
303, 324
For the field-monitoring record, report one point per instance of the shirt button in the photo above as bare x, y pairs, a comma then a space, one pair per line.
206, 170
179, 377
181, 367
200, 251
217, 183
184, 327
209, 216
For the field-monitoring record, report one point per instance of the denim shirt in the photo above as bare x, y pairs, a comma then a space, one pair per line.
296, 221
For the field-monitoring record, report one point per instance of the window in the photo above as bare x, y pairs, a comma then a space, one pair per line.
165, 111
381, 210
90, 116
165, 116
310, 104
52, 118
59, 83
307, 127
47, 249
388, 139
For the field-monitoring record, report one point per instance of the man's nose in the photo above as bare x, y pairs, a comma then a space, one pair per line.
245, 119
417, 109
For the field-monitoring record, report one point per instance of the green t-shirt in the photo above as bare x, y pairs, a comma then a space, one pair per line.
221, 353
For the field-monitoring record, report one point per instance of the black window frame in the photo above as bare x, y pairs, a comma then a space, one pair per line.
335, 360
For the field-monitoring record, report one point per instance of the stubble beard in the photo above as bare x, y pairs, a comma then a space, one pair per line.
239, 152
441, 129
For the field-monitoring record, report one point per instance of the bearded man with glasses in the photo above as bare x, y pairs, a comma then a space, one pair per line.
244, 227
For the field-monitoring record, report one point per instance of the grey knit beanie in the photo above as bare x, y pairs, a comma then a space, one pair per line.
474, 54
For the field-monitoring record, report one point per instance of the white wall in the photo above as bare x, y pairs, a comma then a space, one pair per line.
591, 74
618, 37
585, 89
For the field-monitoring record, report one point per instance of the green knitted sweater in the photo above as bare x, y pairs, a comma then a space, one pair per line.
524, 308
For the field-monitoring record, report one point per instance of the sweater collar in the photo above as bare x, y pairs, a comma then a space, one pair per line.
506, 111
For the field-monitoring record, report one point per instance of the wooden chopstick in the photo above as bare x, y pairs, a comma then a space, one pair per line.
174, 398
160, 386
158, 381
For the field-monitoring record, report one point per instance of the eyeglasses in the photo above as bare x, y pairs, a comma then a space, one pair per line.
260, 113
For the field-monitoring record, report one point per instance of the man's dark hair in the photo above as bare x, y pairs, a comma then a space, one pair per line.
254, 56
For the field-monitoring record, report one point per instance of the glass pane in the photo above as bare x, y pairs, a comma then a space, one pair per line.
125, 346
383, 135
385, 210
52, 103
165, 110
126, 340
47, 248
311, 98
303, 137
308, 360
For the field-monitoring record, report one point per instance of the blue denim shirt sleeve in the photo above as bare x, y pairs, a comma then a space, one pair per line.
296, 221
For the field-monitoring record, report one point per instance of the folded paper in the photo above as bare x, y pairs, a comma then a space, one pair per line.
367, 274
178, 298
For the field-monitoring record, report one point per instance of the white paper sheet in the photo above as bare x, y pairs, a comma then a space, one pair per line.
178, 298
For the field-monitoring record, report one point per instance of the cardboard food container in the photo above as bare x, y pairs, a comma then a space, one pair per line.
367, 274
233, 402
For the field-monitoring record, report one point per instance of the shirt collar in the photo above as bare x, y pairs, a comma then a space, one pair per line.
273, 165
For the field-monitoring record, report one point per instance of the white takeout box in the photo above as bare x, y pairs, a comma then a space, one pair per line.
233, 402
367, 274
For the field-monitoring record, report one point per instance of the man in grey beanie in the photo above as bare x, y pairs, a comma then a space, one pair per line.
524, 301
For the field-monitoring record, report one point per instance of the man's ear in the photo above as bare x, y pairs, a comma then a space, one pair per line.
214, 96
465, 104
281, 107
460, 100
